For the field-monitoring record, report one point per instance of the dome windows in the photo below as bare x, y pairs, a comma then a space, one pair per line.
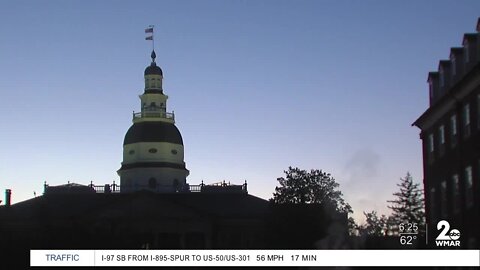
174, 152
152, 150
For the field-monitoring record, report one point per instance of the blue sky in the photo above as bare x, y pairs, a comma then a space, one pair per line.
256, 86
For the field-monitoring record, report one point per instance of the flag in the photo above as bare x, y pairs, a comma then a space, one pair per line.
149, 38
149, 30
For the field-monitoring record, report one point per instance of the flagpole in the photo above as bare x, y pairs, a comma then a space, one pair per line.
153, 37
148, 31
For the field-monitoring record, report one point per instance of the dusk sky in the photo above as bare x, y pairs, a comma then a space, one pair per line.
256, 86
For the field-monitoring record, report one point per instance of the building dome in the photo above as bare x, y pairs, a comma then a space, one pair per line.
153, 69
153, 132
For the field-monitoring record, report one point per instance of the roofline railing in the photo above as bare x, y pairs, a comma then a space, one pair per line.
220, 187
154, 114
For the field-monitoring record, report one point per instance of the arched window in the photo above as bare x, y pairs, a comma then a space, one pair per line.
152, 183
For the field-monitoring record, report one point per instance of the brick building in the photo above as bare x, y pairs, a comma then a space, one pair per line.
450, 134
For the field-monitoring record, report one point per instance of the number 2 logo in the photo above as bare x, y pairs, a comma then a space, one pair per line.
454, 233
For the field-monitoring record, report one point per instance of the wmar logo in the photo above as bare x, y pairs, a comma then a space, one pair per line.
446, 239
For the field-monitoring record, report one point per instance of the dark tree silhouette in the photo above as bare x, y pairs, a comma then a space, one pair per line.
374, 225
408, 207
307, 208
353, 227
316, 186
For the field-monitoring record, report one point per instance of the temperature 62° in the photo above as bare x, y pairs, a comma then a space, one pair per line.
407, 239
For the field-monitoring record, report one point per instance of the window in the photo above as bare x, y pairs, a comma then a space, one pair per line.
430, 148
466, 114
441, 135
430, 88
443, 197
174, 152
442, 77
478, 111
456, 193
453, 124
466, 120
432, 204
453, 130
431, 144
152, 150
454, 65
131, 152
466, 52
468, 186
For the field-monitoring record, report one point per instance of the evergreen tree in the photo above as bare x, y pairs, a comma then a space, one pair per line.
408, 207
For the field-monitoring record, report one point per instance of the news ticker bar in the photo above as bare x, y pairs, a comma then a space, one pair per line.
64, 258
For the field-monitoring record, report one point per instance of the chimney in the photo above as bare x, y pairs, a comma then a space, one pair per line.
8, 196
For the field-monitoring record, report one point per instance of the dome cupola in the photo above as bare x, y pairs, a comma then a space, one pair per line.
153, 77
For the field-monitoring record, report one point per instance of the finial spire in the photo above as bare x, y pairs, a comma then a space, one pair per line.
153, 55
